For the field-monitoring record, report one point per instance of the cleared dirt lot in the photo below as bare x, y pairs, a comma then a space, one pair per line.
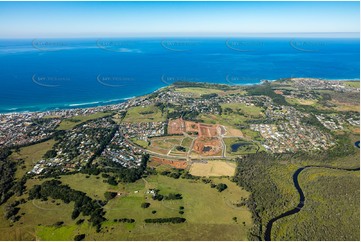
155, 161
176, 126
208, 130
213, 168
207, 146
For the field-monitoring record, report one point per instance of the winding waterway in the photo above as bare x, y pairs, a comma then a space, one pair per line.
302, 197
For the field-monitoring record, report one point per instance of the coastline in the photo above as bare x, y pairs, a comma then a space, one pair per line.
117, 101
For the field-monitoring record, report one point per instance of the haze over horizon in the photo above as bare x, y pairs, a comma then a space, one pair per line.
174, 19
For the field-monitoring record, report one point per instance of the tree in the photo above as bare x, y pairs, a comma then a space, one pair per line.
79, 237
180, 148
75, 214
111, 180
145, 205
50, 154
221, 187
110, 195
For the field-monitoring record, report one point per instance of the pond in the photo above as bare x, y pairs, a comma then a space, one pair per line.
235, 146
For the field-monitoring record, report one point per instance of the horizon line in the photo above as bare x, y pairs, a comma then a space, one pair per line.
192, 35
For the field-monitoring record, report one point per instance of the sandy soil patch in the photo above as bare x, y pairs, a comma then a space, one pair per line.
174, 163
213, 168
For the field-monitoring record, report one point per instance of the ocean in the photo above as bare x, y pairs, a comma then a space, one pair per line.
47, 74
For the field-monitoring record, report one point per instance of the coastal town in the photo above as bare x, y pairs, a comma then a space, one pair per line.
115, 137
180, 120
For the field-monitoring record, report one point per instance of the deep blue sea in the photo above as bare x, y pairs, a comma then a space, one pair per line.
45, 74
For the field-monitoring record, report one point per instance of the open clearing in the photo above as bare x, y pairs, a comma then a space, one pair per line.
165, 144
31, 155
208, 212
140, 142
179, 164
198, 91
230, 120
342, 107
244, 109
353, 84
207, 146
143, 114
213, 168
233, 132
299, 101
202, 204
70, 123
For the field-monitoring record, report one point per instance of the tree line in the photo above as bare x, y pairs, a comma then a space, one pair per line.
82, 203
174, 220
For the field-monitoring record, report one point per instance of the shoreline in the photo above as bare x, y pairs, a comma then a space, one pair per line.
118, 101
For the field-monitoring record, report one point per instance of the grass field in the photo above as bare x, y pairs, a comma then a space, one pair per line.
233, 132
251, 134
233, 119
31, 155
143, 114
67, 124
299, 101
94, 187
209, 213
355, 84
230, 120
252, 111
213, 168
198, 91
202, 206
140, 142
200, 201
36, 213
342, 107
164, 144
187, 142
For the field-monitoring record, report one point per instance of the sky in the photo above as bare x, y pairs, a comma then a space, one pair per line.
121, 19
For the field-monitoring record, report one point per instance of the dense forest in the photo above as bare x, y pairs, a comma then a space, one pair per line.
7, 171
332, 208
271, 184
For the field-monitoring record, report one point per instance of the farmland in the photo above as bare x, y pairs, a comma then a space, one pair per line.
199, 201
